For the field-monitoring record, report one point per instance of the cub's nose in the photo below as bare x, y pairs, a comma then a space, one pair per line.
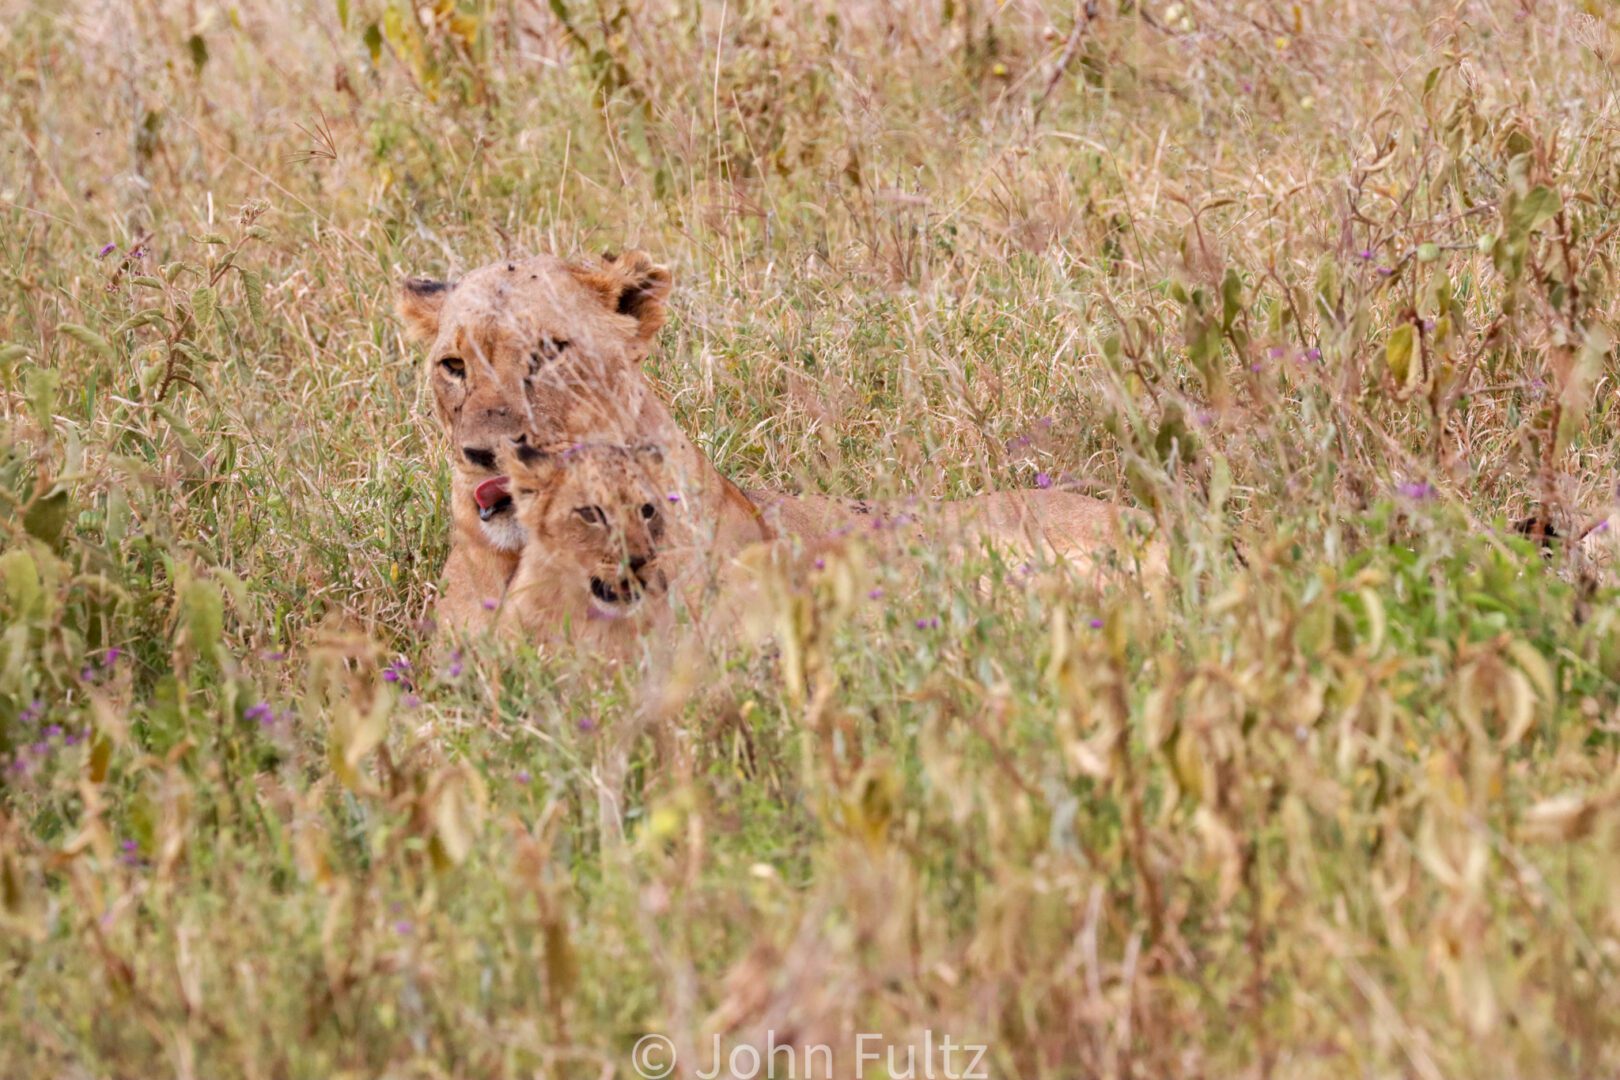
637, 562
484, 459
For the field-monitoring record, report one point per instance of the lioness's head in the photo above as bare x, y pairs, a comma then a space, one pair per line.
602, 513
538, 345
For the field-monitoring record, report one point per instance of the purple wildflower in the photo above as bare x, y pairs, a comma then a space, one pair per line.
586, 725
398, 671
275, 656
260, 713
875, 594
821, 564
930, 623
410, 701
1276, 351
1257, 366
33, 711
521, 776
490, 603
1365, 255
1096, 624
74, 738
673, 497
87, 674
107, 249
111, 656
53, 731
1313, 354
1043, 480
1384, 271
403, 927
1602, 526
1417, 490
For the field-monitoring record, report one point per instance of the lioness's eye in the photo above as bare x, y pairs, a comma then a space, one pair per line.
591, 515
550, 348
454, 366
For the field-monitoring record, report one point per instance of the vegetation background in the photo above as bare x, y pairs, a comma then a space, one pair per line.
1329, 288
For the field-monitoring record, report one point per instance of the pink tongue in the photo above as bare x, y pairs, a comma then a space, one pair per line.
491, 492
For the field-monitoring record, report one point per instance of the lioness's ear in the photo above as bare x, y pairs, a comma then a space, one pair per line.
421, 300
632, 284
651, 451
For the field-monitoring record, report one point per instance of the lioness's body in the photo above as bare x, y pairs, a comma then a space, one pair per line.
552, 350
619, 539
1042, 523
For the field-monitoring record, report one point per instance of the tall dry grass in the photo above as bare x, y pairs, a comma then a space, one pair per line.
1326, 288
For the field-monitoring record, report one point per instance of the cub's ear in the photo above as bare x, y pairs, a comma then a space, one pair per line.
651, 452
632, 284
421, 301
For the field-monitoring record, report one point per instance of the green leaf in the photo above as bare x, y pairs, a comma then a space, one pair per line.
87, 337
140, 319
204, 611
40, 385
198, 48
1537, 208
204, 301
253, 288
374, 42
47, 517
1398, 354
1231, 298
23, 585
1428, 252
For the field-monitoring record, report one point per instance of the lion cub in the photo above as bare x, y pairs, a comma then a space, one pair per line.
614, 540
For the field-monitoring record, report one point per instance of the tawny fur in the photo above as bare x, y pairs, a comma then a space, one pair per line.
551, 351
606, 522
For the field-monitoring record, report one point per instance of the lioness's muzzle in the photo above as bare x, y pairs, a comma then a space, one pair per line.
493, 497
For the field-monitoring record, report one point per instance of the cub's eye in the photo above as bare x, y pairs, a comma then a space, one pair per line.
454, 366
591, 515
647, 511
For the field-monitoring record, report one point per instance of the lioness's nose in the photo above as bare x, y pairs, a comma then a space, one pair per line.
637, 562
484, 459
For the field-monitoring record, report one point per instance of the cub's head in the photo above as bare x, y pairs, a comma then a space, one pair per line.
603, 514
539, 345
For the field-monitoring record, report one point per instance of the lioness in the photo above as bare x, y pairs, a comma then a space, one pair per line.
619, 539
551, 350
538, 346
